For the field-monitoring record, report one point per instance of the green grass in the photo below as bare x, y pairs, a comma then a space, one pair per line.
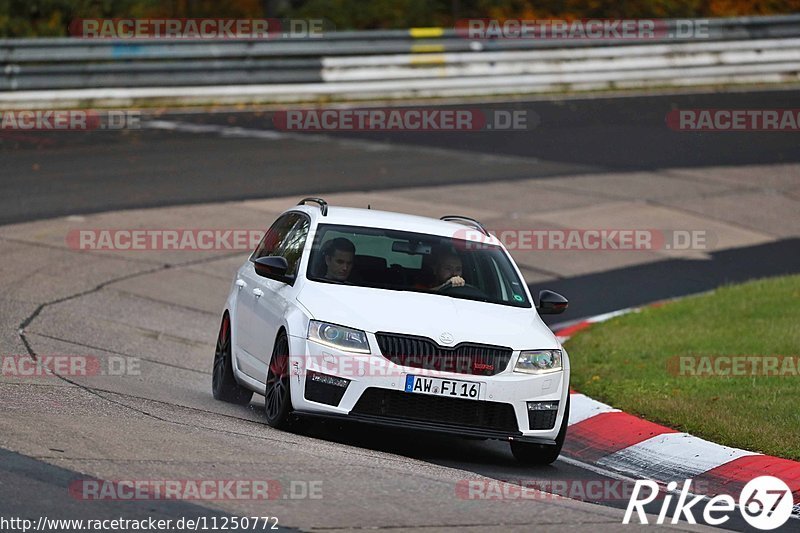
624, 362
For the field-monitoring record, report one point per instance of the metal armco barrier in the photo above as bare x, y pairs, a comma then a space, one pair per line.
424, 62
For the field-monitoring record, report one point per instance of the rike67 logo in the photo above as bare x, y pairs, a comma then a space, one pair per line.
765, 503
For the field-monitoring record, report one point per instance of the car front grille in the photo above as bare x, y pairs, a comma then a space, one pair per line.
427, 408
422, 352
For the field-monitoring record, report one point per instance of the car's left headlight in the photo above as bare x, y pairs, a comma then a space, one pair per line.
335, 336
538, 361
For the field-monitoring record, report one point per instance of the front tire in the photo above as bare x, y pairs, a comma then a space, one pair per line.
278, 397
223, 382
532, 454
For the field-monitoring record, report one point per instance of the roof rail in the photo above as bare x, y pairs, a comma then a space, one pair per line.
469, 221
323, 205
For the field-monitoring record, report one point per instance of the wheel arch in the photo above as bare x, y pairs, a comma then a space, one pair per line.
281, 331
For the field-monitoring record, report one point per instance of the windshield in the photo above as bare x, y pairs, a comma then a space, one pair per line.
399, 260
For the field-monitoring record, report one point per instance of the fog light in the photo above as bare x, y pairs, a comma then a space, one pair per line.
542, 415
328, 380
323, 388
543, 406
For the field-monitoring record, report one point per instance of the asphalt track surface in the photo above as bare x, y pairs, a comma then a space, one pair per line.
53, 174
50, 175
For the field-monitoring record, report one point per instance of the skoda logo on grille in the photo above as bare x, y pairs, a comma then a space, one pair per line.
446, 338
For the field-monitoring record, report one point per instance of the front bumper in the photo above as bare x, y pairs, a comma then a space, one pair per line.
370, 388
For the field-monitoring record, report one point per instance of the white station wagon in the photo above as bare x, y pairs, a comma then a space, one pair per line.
397, 320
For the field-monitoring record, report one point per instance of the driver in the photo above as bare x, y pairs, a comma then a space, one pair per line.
339, 257
447, 270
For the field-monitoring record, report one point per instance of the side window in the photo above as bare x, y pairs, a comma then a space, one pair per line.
275, 236
291, 248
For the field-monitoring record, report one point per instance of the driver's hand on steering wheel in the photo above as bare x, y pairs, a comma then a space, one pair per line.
456, 281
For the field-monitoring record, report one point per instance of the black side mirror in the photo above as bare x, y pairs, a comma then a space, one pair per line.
551, 303
273, 266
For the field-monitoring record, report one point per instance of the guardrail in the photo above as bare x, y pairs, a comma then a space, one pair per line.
395, 63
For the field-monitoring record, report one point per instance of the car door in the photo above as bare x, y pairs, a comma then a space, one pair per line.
278, 294
251, 290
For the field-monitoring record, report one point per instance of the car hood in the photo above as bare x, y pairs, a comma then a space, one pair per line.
427, 315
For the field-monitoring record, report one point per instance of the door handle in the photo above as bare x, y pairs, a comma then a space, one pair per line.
241, 284
258, 293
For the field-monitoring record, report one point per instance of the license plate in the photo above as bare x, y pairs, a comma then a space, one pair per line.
451, 388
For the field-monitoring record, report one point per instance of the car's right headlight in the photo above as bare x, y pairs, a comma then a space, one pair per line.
538, 361
335, 336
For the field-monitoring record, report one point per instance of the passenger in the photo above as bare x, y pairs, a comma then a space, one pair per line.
339, 256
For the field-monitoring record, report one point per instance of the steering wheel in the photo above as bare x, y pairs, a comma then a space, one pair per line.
466, 290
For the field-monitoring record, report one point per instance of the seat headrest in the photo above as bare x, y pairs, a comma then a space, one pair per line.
369, 262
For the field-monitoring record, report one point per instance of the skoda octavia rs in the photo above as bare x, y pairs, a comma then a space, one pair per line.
397, 320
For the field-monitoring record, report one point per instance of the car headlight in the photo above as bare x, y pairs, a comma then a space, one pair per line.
335, 336
538, 361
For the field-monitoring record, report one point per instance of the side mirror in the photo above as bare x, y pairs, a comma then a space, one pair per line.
551, 303
273, 266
